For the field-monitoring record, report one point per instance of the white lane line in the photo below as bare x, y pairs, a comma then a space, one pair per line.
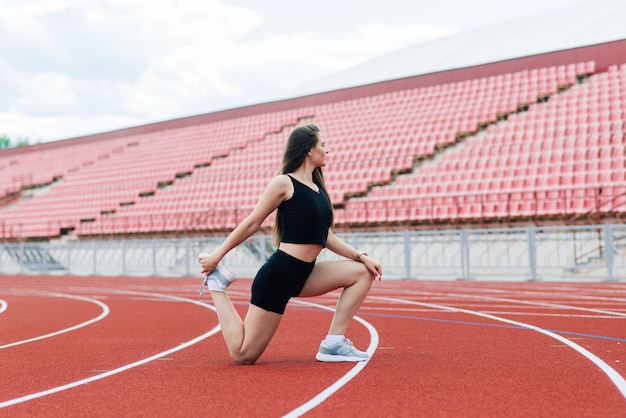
126, 367
3, 305
529, 302
615, 377
493, 312
326, 393
105, 312
556, 315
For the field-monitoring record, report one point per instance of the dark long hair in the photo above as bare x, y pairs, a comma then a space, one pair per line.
300, 142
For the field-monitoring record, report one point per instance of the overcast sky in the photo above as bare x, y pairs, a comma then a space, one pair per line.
76, 67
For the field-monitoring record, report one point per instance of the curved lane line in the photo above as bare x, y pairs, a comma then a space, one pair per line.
615, 377
3, 305
128, 366
326, 393
105, 312
529, 302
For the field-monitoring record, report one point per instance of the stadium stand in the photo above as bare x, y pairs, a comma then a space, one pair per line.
559, 159
507, 142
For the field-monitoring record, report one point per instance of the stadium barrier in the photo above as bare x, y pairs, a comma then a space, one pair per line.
525, 253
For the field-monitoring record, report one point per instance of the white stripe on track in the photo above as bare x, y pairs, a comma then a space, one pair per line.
615, 377
126, 367
532, 303
3, 305
105, 312
326, 393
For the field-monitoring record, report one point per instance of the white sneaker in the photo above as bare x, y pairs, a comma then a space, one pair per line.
219, 279
342, 351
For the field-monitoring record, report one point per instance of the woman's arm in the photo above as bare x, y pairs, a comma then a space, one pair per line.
279, 189
340, 247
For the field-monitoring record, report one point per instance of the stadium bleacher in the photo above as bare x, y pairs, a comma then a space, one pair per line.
560, 158
545, 143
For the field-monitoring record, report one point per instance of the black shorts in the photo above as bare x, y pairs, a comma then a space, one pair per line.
278, 280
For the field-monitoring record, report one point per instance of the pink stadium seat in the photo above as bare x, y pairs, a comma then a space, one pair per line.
576, 139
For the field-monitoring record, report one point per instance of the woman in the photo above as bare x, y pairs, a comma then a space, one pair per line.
303, 229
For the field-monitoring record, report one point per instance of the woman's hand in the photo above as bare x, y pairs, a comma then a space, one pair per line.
208, 262
373, 266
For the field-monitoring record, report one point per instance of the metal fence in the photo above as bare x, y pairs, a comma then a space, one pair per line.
531, 253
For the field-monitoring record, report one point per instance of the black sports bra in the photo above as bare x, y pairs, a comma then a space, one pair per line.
306, 217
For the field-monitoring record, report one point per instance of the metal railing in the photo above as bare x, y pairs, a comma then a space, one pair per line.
526, 253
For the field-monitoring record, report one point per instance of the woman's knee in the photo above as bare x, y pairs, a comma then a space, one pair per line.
245, 356
364, 277
244, 359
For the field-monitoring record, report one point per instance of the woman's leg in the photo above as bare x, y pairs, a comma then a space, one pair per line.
246, 340
355, 280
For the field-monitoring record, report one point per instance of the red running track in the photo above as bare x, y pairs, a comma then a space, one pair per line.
99, 347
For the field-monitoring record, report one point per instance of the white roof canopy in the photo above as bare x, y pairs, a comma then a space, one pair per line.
584, 24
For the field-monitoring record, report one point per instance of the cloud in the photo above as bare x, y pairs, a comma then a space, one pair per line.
313, 55
70, 67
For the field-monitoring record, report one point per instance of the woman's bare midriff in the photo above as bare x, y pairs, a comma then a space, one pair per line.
304, 252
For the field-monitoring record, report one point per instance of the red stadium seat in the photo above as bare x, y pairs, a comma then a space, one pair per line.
520, 167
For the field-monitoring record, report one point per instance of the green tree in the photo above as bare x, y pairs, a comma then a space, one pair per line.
6, 142
20, 142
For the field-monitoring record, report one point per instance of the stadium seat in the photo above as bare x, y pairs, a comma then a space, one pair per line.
493, 161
